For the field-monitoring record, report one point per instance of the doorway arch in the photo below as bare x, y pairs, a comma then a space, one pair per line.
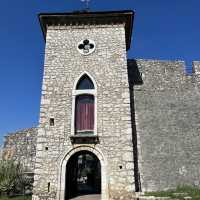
72, 154
83, 175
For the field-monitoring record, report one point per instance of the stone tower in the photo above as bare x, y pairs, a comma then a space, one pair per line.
84, 143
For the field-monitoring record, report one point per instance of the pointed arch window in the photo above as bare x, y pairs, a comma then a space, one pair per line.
85, 83
84, 109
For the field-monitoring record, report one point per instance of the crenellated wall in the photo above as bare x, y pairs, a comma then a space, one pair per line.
167, 123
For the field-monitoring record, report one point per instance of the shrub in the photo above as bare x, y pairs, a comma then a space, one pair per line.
12, 178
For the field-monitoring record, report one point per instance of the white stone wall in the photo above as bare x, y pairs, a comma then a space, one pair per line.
108, 66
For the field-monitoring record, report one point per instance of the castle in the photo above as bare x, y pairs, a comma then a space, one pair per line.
108, 125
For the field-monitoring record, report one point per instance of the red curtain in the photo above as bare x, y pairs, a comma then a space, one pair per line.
85, 113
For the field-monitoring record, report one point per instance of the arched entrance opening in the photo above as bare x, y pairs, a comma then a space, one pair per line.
83, 175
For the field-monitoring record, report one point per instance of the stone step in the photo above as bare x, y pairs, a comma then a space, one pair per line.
153, 198
163, 198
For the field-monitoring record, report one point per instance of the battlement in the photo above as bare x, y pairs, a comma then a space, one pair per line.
164, 74
178, 66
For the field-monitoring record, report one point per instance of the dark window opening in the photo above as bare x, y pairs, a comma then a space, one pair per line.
51, 121
85, 83
84, 119
48, 187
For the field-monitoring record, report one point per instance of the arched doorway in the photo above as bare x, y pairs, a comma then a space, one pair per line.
83, 175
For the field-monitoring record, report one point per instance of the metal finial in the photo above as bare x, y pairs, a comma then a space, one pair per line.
86, 4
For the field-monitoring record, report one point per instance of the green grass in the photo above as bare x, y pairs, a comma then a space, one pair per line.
190, 191
15, 198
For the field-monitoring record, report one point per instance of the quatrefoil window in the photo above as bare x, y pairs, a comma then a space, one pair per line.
86, 46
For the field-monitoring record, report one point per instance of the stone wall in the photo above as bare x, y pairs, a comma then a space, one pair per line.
1, 152
167, 123
20, 147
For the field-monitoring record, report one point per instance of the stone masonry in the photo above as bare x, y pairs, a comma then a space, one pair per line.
167, 120
108, 67
21, 147
1, 152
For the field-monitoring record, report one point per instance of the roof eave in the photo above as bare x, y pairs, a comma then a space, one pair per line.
126, 16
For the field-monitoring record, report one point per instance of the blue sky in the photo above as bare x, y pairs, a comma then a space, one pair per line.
166, 30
